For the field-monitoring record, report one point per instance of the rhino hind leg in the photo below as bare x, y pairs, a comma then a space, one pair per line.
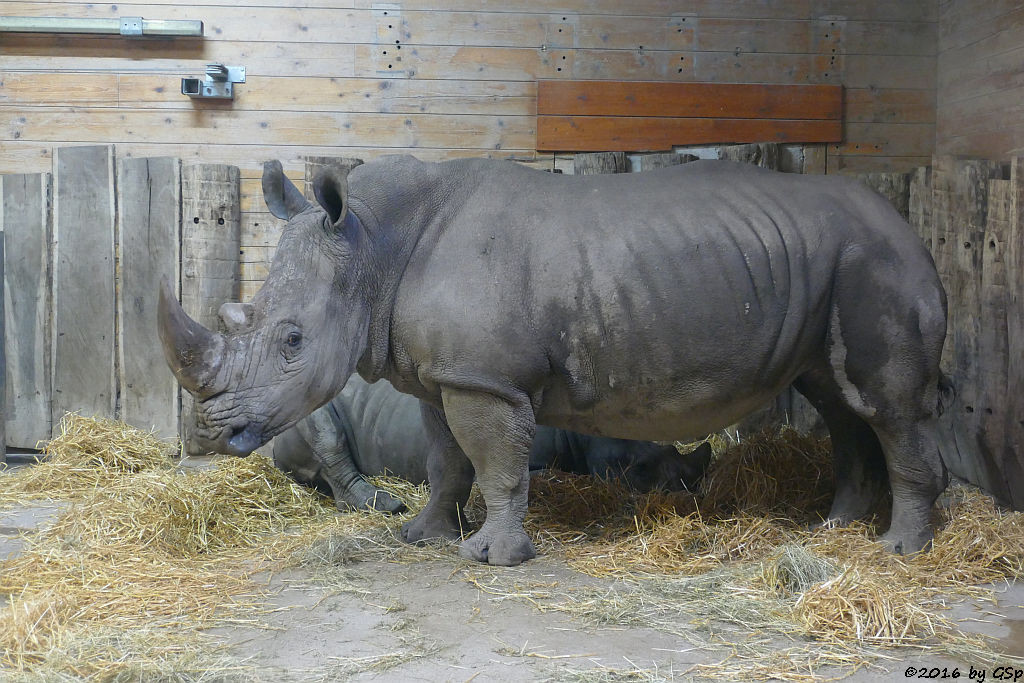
861, 479
496, 435
883, 362
450, 475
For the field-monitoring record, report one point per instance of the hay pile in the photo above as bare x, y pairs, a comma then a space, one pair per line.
743, 553
144, 556
147, 555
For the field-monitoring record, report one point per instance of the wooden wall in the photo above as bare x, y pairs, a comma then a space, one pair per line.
358, 78
980, 72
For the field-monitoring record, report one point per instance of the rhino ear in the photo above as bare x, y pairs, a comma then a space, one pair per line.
330, 185
282, 197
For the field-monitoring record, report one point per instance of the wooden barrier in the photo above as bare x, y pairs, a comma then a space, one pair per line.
26, 219
149, 207
83, 276
68, 296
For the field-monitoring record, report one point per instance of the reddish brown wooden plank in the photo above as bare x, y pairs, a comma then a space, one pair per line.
639, 134
729, 100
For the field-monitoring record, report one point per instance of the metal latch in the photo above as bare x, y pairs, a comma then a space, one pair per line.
218, 84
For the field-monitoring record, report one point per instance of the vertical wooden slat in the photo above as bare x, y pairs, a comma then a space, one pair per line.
919, 204
960, 207
596, 163
1011, 461
649, 162
149, 204
3, 362
210, 246
83, 293
25, 218
993, 362
893, 186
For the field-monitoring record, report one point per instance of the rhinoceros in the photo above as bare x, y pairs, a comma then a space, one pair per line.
372, 429
659, 305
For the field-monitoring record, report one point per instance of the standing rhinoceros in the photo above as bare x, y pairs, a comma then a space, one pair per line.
660, 305
371, 429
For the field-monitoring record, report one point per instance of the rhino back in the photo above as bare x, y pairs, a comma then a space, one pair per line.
634, 305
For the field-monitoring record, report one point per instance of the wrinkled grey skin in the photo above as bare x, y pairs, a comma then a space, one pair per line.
372, 429
661, 305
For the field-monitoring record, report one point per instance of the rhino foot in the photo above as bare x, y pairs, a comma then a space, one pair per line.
381, 501
431, 523
505, 549
906, 543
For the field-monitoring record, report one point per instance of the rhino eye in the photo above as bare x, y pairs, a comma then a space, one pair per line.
294, 339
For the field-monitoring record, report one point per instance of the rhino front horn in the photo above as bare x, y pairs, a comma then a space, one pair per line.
193, 352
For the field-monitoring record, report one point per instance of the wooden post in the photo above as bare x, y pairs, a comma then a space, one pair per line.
763, 154
648, 162
315, 163
210, 246
149, 203
26, 219
919, 204
1011, 460
893, 186
83, 291
597, 163
3, 362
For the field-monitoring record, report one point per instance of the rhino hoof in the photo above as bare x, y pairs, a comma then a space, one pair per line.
426, 526
901, 543
382, 501
504, 550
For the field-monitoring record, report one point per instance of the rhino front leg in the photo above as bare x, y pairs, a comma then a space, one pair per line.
331, 450
496, 436
450, 474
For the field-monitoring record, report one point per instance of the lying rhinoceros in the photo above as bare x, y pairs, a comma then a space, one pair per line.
660, 305
371, 429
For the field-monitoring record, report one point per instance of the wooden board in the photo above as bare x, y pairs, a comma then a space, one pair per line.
210, 240
1011, 457
635, 134
149, 205
895, 187
210, 246
83, 291
25, 219
3, 361
689, 100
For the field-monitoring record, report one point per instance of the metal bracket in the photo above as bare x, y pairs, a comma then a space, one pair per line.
131, 26
218, 83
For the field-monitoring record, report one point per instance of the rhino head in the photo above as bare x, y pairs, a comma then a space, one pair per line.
295, 345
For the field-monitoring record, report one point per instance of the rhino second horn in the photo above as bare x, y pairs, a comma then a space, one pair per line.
193, 352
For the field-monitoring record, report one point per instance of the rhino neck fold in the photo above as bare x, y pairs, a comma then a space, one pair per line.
391, 251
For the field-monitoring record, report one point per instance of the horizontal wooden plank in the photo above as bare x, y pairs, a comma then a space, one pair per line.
58, 89
855, 163
36, 157
886, 139
636, 134
980, 114
973, 23
49, 124
695, 100
349, 95
871, 105
866, 10
48, 53
402, 27
988, 73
